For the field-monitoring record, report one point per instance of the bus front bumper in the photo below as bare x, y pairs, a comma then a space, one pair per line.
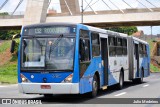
56, 88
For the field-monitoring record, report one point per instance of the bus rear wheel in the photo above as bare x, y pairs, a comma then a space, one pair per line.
140, 80
95, 85
121, 81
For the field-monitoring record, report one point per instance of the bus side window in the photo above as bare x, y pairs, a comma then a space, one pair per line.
112, 46
145, 50
140, 49
119, 47
84, 47
95, 44
124, 43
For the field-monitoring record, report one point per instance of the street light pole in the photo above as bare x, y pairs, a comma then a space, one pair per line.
82, 12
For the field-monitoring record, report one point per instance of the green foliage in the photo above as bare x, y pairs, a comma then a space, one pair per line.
4, 13
154, 68
17, 44
6, 35
126, 30
16, 47
14, 58
151, 44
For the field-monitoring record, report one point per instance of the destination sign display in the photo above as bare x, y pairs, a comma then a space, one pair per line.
49, 30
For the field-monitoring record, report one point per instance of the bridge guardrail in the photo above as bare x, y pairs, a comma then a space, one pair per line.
11, 16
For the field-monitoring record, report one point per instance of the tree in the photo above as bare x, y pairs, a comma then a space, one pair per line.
5, 35
4, 13
127, 30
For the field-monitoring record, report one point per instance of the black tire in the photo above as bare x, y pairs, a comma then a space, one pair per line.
48, 95
140, 80
95, 85
121, 81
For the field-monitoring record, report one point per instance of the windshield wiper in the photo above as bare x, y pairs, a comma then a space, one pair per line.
55, 44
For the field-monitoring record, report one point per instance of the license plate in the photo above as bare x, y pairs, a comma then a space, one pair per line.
45, 87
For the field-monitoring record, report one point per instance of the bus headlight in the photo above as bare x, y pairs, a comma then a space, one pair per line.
23, 78
68, 79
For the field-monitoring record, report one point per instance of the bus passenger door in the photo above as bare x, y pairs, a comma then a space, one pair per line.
137, 59
104, 53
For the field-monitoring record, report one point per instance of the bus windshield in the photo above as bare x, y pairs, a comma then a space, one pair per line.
49, 53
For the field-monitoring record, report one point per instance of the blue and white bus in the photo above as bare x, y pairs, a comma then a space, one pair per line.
65, 58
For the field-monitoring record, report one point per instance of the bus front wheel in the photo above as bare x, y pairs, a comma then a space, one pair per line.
94, 87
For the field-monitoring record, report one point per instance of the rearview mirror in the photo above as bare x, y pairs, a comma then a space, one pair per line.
16, 36
13, 43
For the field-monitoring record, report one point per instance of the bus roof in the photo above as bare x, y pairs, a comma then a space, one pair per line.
49, 24
75, 24
139, 40
105, 31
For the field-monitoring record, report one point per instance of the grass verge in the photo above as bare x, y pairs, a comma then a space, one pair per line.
8, 73
4, 46
8, 64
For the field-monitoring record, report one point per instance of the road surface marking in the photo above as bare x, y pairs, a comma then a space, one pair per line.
146, 85
120, 94
2, 86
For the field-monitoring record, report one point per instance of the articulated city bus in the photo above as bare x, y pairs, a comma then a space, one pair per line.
65, 58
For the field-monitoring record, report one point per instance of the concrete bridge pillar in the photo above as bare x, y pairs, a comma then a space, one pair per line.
72, 4
36, 12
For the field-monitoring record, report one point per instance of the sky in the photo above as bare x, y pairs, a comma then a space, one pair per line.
95, 5
147, 29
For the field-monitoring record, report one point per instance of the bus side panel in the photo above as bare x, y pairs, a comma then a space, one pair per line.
113, 78
86, 79
149, 60
144, 63
116, 64
114, 71
147, 63
86, 76
122, 64
141, 64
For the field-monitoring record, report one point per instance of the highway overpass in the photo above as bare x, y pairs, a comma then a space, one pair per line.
36, 12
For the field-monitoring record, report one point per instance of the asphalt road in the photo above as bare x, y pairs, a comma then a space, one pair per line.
150, 88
